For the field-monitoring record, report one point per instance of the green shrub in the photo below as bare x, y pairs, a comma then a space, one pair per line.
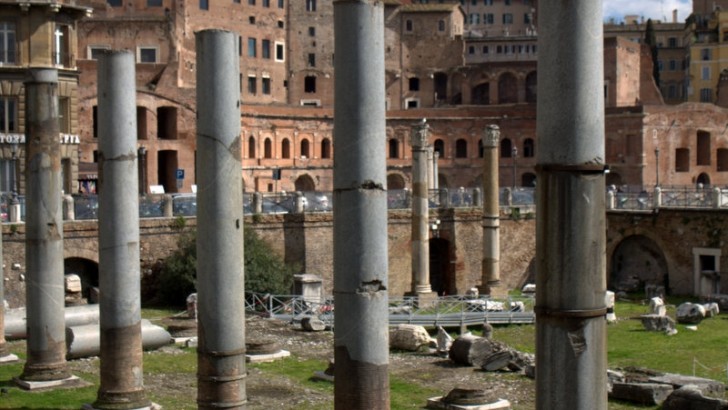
265, 271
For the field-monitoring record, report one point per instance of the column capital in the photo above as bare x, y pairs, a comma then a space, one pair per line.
420, 134
491, 136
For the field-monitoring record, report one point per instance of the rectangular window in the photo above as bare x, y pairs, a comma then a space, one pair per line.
507, 18
265, 49
441, 25
281, 4
252, 83
61, 53
266, 3
408, 25
488, 18
310, 5
204, 5
147, 55
7, 42
705, 54
114, 3
154, 3
527, 18
672, 65
485, 50
507, 2
309, 84
488, 2
8, 115
705, 73
64, 115
93, 52
311, 60
251, 2
706, 95
266, 85
312, 31
240, 46
252, 47
471, 50
672, 42
280, 52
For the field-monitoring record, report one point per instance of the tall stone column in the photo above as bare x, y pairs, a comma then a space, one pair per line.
491, 213
570, 227
361, 335
420, 235
122, 384
220, 259
44, 294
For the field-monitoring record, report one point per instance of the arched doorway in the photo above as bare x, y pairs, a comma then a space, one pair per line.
87, 270
638, 261
395, 182
531, 87
703, 179
440, 86
305, 183
480, 94
441, 277
507, 89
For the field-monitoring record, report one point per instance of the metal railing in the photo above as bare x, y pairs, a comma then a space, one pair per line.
445, 311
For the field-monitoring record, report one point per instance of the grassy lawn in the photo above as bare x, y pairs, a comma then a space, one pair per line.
700, 352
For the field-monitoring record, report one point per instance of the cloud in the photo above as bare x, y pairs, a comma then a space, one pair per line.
649, 9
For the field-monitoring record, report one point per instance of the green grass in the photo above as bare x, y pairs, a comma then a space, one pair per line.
702, 351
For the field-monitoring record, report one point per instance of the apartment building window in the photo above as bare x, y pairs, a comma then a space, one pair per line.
441, 25
488, 18
114, 3
507, 2
414, 84
281, 4
309, 84
251, 47
61, 47
471, 50
251, 19
474, 2
204, 5
252, 85
527, 18
154, 3
672, 65
706, 95
507, 18
7, 42
147, 55
474, 18
705, 74
311, 60
312, 31
408, 25
485, 49
280, 53
499, 49
488, 2
672, 42
310, 5
266, 3
265, 85
251, 2
93, 52
265, 49
705, 54
8, 114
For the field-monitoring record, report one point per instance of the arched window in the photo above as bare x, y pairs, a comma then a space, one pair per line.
285, 148
505, 148
528, 149
267, 149
393, 148
440, 147
461, 148
326, 148
251, 147
304, 149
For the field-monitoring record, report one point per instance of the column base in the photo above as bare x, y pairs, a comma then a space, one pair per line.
493, 289
67, 383
151, 406
424, 299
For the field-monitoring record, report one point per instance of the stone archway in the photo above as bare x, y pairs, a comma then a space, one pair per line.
638, 261
87, 270
507, 89
395, 182
305, 183
480, 94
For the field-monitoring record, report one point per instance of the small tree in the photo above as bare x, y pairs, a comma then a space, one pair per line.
265, 271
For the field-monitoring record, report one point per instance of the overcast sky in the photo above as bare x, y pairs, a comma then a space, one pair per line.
654, 9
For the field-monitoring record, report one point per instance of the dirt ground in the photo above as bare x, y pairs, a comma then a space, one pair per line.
422, 368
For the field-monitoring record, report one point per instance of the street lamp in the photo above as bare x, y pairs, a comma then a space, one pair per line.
514, 153
657, 167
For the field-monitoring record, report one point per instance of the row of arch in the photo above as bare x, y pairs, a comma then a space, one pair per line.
286, 149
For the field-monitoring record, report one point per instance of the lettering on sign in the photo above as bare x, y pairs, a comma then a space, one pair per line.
20, 138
